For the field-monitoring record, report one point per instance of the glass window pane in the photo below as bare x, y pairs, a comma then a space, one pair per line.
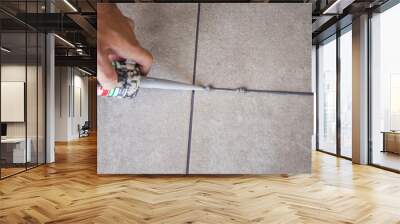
31, 97
346, 93
385, 93
32, 87
327, 96
22, 90
14, 153
41, 99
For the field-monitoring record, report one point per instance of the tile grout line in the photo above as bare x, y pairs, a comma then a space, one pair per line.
192, 97
284, 92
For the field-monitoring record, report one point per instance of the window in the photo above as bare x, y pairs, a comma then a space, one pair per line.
385, 89
22, 66
334, 138
327, 96
346, 92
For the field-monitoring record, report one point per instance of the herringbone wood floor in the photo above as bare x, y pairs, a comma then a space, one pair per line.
70, 191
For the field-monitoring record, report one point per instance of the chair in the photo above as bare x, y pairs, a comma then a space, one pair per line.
84, 130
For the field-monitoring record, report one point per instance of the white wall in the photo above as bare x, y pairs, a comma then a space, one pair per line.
16, 72
70, 83
61, 103
79, 117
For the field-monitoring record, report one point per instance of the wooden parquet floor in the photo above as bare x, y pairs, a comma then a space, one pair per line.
70, 191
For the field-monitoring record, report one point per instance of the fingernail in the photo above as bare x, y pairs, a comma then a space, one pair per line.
111, 84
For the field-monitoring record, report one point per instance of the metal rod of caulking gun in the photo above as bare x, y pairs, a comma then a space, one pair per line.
156, 83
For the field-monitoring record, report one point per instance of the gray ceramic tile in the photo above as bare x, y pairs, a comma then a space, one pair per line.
252, 133
255, 45
150, 133
143, 136
168, 31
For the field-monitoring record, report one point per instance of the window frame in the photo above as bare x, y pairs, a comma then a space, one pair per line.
334, 37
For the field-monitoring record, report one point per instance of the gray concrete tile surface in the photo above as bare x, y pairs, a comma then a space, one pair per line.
252, 133
150, 133
240, 45
168, 31
255, 45
146, 135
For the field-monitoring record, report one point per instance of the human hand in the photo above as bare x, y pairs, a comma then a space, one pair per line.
116, 40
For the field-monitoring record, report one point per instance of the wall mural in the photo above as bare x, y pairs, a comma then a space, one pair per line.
229, 92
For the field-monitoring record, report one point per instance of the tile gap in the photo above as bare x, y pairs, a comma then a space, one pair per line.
193, 92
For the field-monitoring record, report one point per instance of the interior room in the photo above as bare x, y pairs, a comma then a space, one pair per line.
283, 111
22, 101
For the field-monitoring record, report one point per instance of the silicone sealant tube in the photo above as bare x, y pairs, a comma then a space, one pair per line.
130, 80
